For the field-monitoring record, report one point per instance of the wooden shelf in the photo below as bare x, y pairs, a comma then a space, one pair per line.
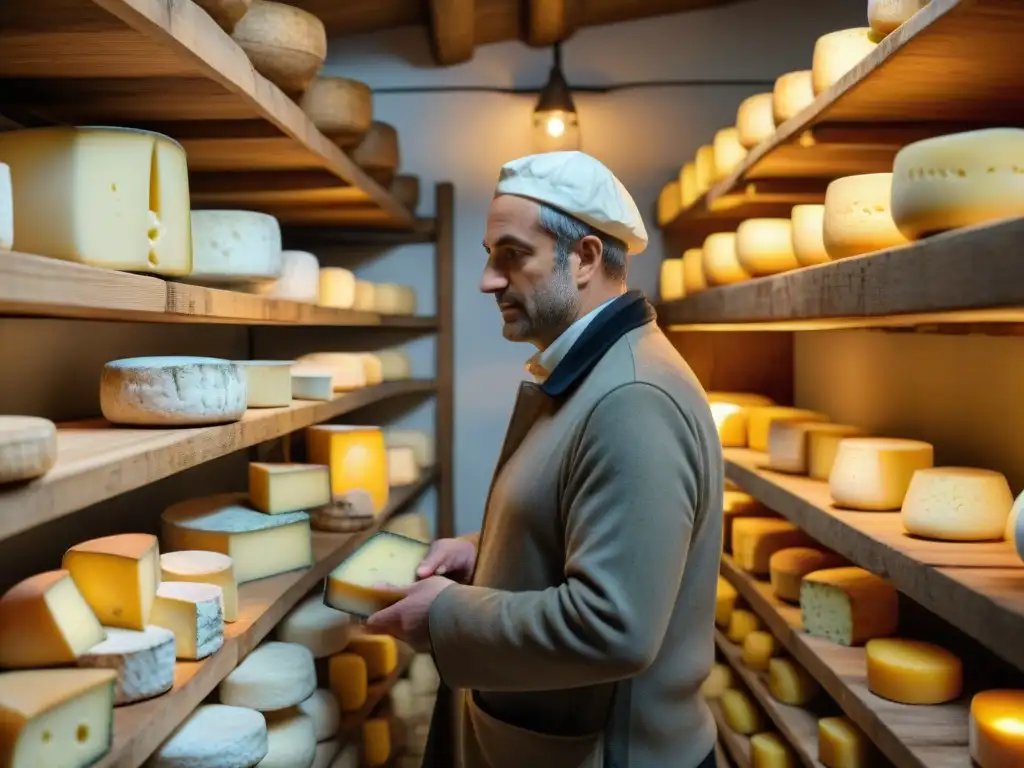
97, 461
917, 736
169, 67
799, 726
968, 276
735, 745
975, 586
954, 66
38, 286
139, 729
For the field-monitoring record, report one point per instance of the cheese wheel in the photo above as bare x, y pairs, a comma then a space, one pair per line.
756, 539
769, 750
787, 568
704, 162
388, 298
874, 473
725, 602
226, 13
670, 284
6, 208
235, 247
912, 671
348, 369
421, 443
957, 181
340, 108
808, 222
323, 709
215, 736
337, 288
741, 623
299, 280
760, 420
143, 661
394, 364
402, 466
996, 730
793, 93
837, 53
28, 448
765, 246
322, 630
789, 443
858, 216
728, 152
274, 676
694, 280
718, 681
380, 652
720, 260
688, 189
268, 383
755, 119
822, 446
848, 606
377, 153
291, 739
668, 202
731, 423
789, 683
204, 568
372, 368
172, 391
365, 296
957, 504
841, 744
886, 16
741, 714
735, 506
758, 648
285, 44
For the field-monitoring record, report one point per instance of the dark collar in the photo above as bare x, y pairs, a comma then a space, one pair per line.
628, 311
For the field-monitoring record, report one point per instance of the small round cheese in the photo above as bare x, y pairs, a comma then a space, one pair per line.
704, 162
912, 671
758, 648
957, 504
215, 736
342, 109
694, 280
144, 661
857, 216
299, 280
720, 262
886, 16
728, 152
718, 681
377, 153
874, 473
755, 119
790, 683
787, 568
741, 623
731, 423
323, 709
274, 676
741, 714
291, 740
996, 731
28, 448
760, 420
957, 181
670, 283
809, 234
837, 53
793, 93
337, 288
235, 247
200, 566
765, 246
725, 602
668, 203
323, 630
821, 449
688, 190
285, 44
172, 391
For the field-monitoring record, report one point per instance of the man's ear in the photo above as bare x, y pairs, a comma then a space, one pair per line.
590, 251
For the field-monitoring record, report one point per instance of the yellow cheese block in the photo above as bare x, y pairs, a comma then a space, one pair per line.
720, 260
841, 744
913, 671
765, 246
793, 93
204, 568
737, 505
874, 473
45, 621
789, 443
357, 458
670, 284
704, 162
758, 649
728, 152
725, 601
769, 750
688, 190
669, 200
957, 181
720, 679
996, 735
788, 567
195, 614
694, 280
886, 16
808, 222
385, 558
790, 683
742, 715
858, 216
760, 419
741, 623
957, 504
756, 539
376, 741
277, 488
731, 423
117, 576
837, 53
337, 288
56, 718
348, 680
268, 383
380, 652
822, 447
848, 606
755, 119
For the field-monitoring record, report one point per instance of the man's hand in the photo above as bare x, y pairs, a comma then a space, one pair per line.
453, 558
407, 619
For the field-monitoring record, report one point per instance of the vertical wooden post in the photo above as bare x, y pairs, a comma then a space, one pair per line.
444, 276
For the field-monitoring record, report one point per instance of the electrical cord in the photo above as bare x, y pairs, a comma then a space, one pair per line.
579, 88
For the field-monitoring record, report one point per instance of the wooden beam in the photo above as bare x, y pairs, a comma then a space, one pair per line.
549, 21
452, 30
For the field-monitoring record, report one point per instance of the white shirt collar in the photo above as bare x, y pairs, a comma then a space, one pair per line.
543, 362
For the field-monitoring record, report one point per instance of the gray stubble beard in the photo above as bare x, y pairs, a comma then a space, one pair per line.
552, 309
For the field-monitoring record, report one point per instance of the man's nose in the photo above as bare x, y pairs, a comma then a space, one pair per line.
492, 281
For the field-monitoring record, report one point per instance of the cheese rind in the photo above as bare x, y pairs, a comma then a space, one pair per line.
790, 683
741, 713
765, 246
761, 418
886, 16
118, 576
837, 53
873, 474
299, 280
235, 247
670, 281
45, 621
380, 652
340, 108
274, 676
758, 649
728, 152
194, 612
741, 623
172, 391
288, 487
720, 260
321, 629
28, 448
323, 709
788, 567
756, 539
808, 223
143, 661
769, 750
215, 736
848, 606
385, 558
793, 93
268, 383
720, 679
789, 443
912, 671
841, 744
694, 280
337, 288
858, 216
996, 730
957, 504
357, 458
203, 567
755, 120
348, 680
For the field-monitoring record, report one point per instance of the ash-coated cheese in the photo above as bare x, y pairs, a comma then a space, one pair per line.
347, 679
347, 369
323, 709
912, 671
758, 648
787, 568
204, 568
704, 162
45, 622
755, 120
420, 442
694, 280
6, 208
770, 750
793, 93
668, 202
268, 383
858, 216
402, 466
317, 627
957, 181
285, 44
789, 683
789, 443
288, 487
728, 152
394, 364
741, 713
837, 53
309, 383
731, 423
874, 473
741, 623
28, 448
822, 447
118, 576
385, 558
108, 197
57, 718
886, 16
841, 744
688, 190
725, 602
848, 606
172, 391
718, 681
995, 734
340, 108
720, 260
299, 280
143, 661
235, 247
756, 539
761, 418
274, 676
215, 736
957, 504
765, 246
337, 288
808, 222
735, 506
259, 545
194, 612
670, 282
357, 458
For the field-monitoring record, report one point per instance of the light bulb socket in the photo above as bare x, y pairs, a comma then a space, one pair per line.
556, 95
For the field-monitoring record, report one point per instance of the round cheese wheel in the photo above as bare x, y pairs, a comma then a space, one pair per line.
341, 108
765, 246
143, 660
719, 680
323, 630
994, 736
741, 714
755, 119
858, 216
215, 736
323, 709
758, 648
874, 473
235, 247
28, 447
694, 280
837, 53
886, 16
704, 163
731, 423
720, 261
670, 281
793, 93
787, 568
728, 152
688, 191
377, 153
957, 504
912, 671
274, 676
285, 44
291, 740
227, 13
299, 280
808, 223
790, 683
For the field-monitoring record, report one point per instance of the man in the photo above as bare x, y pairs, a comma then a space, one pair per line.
575, 629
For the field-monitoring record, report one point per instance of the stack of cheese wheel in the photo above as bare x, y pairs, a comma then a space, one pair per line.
285, 44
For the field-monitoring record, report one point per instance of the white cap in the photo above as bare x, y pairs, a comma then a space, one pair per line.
579, 185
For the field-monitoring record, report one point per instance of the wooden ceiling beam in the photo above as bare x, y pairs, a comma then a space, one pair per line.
549, 21
452, 30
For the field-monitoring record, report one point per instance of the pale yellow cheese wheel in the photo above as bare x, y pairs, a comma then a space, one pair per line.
793, 93
755, 120
728, 152
688, 185
340, 108
809, 234
671, 282
721, 265
694, 280
705, 165
285, 44
858, 217
765, 246
837, 53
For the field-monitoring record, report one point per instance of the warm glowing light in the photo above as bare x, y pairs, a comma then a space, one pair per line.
555, 130
555, 127
1012, 725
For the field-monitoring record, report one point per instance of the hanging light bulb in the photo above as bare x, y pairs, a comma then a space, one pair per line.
555, 123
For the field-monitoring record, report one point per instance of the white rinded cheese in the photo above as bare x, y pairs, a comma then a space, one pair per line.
342, 109
372, 368
321, 629
858, 216
347, 368
886, 16
6, 208
28, 448
837, 53
195, 614
291, 740
793, 93
299, 280
45, 622
172, 391
288, 487
274, 676
957, 181
669, 200
729, 153
385, 558
755, 120
808, 223
337, 288
215, 736
268, 383
761, 418
957, 504
874, 473
235, 247
765, 246
204, 568
285, 44
259, 545
719, 260
402, 466
357, 457
56, 718
109, 197
410, 524
143, 661
670, 283
694, 280
365, 296
688, 191
789, 443
310, 383
421, 443
394, 364
326, 751
704, 163
322, 708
